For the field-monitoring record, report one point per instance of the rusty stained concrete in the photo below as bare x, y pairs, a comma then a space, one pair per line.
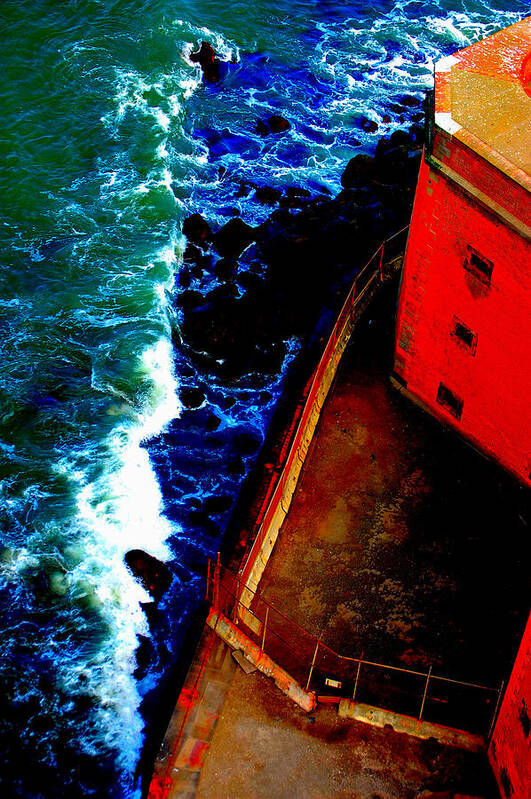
401, 541
265, 747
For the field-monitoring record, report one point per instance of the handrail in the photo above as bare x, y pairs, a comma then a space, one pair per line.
274, 494
271, 607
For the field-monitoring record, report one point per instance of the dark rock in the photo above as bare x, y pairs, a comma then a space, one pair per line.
247, 442
197, 271
249, 279
235, 466
154, 575
245, 189
225, 268
209, 62
267, 195
144, 656
152, 613
295, 191
212, 423
401, 138
233, 238
359, 169
275, 124
192, 253
190, 298
184, 278
213, 506
368, 125
201, 520
262, 129
409, 101
196, 229
225, 290
418, 134
386, 119
191, 397
278, 124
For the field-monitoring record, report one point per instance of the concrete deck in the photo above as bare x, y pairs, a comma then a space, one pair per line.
264, 747
401, 541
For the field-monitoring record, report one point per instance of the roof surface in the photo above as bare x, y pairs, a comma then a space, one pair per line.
483, 98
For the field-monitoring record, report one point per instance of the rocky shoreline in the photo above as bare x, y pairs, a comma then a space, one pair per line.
243, 294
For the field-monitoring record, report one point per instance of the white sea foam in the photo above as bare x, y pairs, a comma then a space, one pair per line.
122, 510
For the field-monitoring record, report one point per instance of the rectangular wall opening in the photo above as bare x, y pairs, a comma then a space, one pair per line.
450, 401
464, 335
479, 266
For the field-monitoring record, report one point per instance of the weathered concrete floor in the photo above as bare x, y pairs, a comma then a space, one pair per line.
401, 541
265, 747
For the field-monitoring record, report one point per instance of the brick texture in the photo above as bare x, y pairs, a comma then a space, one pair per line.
510, 748
492, 379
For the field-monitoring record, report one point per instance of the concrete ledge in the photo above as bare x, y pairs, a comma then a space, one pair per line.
236, 639
410, 726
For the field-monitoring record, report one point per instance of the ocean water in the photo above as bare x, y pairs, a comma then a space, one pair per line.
109, 140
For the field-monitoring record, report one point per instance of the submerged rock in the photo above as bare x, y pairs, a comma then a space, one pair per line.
274, 124
267, 195
191, 398
278, 124
368, 125
154, 575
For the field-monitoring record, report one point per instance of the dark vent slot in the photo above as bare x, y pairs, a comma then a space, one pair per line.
465, 335
479, 266
449, 401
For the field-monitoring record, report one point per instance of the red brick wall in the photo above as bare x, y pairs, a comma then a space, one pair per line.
492, 379
510, 747
511, 196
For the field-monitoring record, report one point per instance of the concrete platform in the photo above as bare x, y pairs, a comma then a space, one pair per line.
401, 541
264, 747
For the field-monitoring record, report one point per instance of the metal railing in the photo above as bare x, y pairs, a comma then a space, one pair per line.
317, 668
382, 264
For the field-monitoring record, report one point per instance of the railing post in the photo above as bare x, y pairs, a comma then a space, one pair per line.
264, 628
215, 597
424, 696
357, 677
207, 589
498, 700
313, 664
380, 267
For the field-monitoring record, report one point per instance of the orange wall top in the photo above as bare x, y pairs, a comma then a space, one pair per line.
483, 98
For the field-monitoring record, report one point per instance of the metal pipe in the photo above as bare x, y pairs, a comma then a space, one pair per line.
357, 677
498, 700
264, 628
313, 664
207, 589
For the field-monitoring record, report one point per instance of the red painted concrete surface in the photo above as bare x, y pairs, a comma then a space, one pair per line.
463, 342
492, 378
510, 748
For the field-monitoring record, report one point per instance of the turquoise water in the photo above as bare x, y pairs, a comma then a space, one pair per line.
108, 141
